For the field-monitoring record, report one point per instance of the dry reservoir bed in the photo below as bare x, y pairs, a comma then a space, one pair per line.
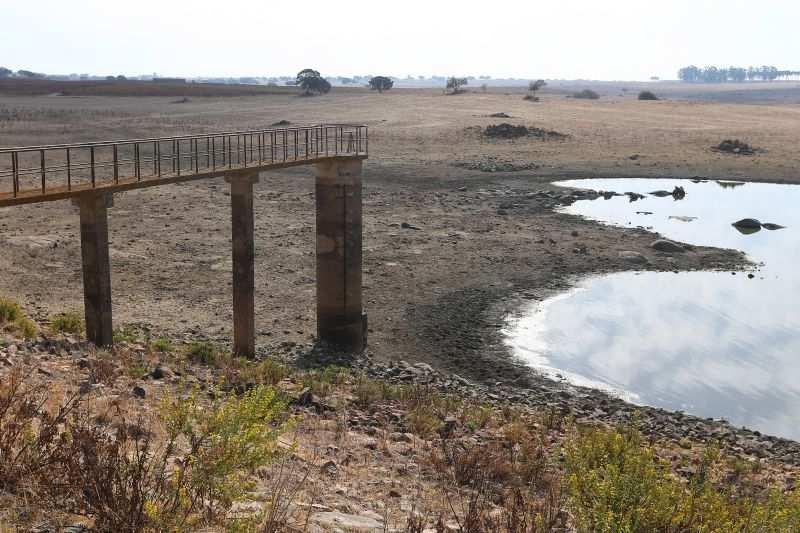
473, 244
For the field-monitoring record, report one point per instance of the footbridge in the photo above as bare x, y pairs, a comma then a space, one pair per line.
89, 174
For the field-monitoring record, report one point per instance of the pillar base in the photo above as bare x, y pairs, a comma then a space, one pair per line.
242, 229
96, 266
340, 319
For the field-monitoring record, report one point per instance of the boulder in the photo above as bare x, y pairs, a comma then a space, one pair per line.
334, 520
670, 247
748, 223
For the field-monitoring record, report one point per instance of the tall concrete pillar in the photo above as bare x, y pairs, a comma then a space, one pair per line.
339, 307
96, 266
242, 229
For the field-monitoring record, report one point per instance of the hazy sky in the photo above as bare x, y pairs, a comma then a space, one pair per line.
611, 39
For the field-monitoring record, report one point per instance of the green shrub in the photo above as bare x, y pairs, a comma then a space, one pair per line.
647, 95
25, 327
202, 352
162, 344
234, 437
9, 310
13, 318
322, 381
616, 483
125, 335
69, 322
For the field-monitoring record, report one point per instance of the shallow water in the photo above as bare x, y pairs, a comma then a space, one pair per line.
708, 343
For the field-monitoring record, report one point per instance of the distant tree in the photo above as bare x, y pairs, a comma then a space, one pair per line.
737, 74
689, 74
712, 74
454, 84
29, 74
381, 83
534, 86
5, 72
346, 81
311, 82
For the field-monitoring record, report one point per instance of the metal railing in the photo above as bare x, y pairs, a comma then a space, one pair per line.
32, 171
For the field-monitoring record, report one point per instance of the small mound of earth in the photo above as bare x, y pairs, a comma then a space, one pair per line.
494, 164
510, 131
734, 146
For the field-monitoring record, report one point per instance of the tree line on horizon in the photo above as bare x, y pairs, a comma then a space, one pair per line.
712, 74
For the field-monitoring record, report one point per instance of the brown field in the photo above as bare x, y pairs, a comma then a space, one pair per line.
432, 294
22, 87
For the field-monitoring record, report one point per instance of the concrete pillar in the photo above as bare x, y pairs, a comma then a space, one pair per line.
96, 266
340, 319
242, 228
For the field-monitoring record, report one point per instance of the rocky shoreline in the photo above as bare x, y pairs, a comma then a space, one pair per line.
584, 404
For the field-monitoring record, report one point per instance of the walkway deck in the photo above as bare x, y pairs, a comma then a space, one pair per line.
44, 173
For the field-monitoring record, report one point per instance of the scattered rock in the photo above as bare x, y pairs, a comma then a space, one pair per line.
449, 426
495, 164
500, 115
406, 225
734, 146
729, 184
334, 520
770, 226
139, 392
330, 468
678, 193
634, 196
633, 257
161, 372
510, 131
667, 246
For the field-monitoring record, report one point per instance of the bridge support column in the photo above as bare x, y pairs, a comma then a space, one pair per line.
340, 319
242, 229
96, 266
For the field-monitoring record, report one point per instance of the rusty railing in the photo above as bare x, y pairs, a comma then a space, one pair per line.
34, 172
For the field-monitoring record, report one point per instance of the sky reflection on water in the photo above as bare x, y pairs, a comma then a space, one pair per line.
708, 343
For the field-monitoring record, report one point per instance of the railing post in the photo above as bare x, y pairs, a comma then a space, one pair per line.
340, 318
96, 266
242, 229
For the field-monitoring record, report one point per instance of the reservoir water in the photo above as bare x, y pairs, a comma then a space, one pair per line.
711, 344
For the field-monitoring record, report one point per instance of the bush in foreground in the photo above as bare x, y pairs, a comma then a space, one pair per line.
180, 472
616, 483
68, 322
